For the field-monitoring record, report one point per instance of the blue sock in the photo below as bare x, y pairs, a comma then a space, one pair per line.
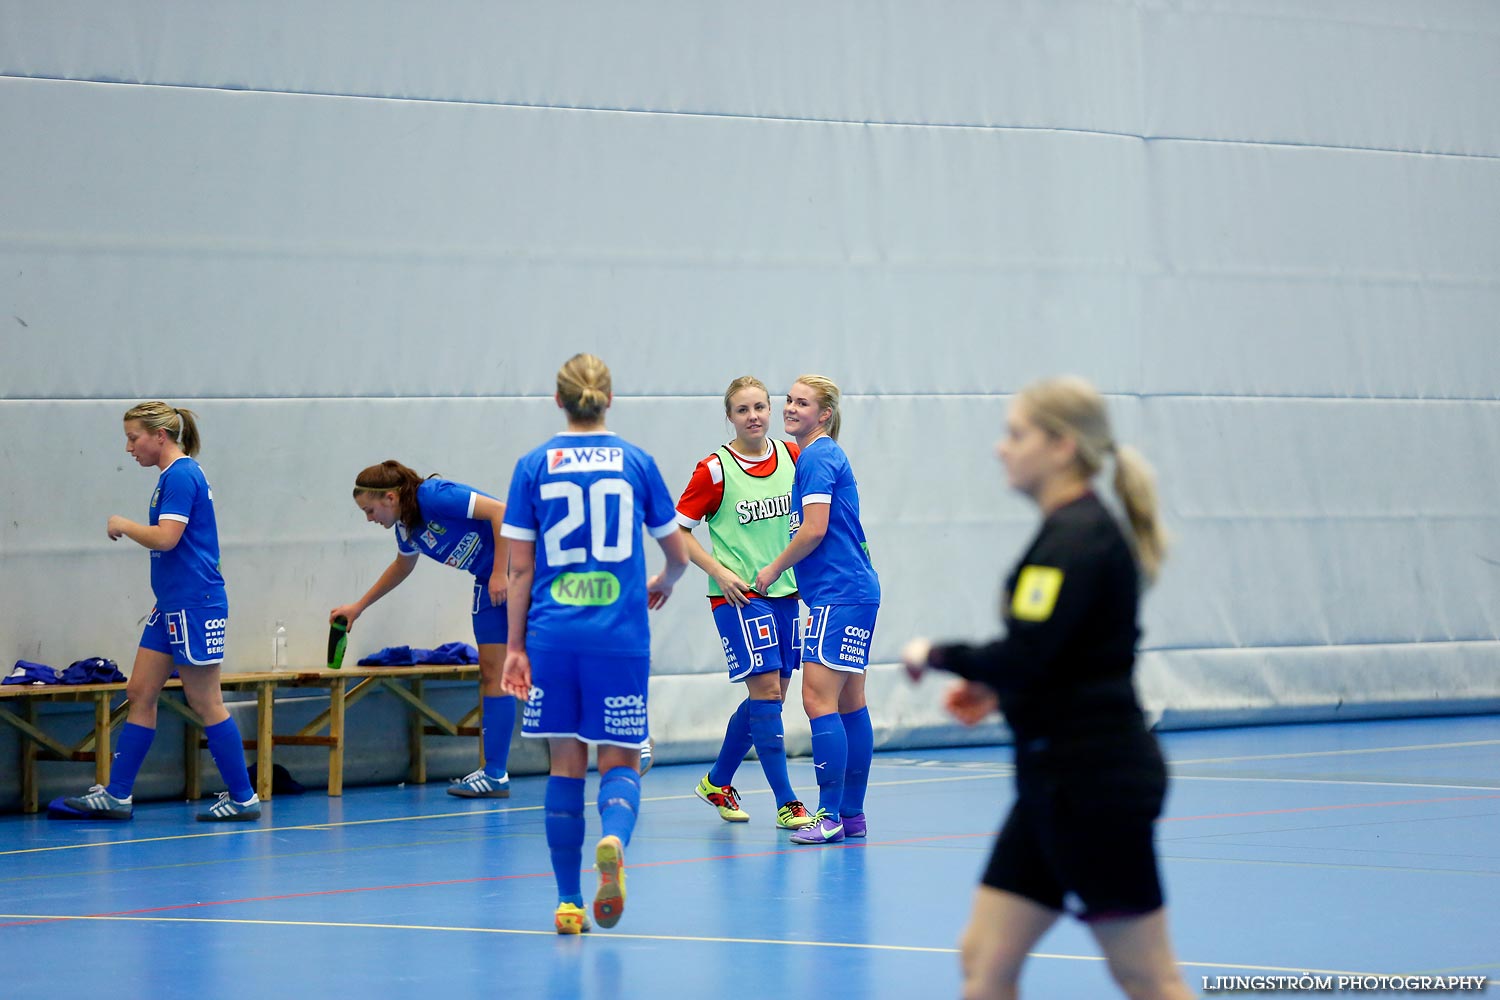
770, 745
130, 753
860, 736
564, 805
228, 751
737, 741
830, 756
619, 802
497, 720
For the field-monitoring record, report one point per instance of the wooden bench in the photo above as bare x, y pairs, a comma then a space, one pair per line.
345, 687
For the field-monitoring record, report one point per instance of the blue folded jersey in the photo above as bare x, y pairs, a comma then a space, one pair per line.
408, 656
94, 670
26, 672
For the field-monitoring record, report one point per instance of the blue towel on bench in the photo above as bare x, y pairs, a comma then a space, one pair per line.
26, 672
409, 656
94, 670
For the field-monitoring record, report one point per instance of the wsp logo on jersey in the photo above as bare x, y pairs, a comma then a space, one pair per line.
565, 461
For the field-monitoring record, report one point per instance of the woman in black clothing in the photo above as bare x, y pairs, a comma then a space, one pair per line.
1089, 777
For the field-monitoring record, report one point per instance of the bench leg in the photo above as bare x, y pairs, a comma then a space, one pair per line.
336, 731
417, 770
30, 801
103, 741
265, 739
192, 760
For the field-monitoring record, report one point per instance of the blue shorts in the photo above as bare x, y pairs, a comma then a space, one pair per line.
593, 697
194, 636
491, 621
838, 636
760, 637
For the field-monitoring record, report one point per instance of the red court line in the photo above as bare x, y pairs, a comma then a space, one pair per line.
738, 857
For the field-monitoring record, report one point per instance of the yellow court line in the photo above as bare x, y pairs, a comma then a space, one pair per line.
612, 935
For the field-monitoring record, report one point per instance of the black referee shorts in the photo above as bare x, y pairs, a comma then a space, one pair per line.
1082, 841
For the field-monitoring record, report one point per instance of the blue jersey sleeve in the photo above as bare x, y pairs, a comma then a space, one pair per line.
817, 475
520, 503
444, 500
659, 512
404, 544
178, 492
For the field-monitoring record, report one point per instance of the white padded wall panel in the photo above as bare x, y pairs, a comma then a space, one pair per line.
1342, 336
298, 235
1025, 62
934, 207
1375, 74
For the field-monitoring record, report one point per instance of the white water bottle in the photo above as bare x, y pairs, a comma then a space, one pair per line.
278, 647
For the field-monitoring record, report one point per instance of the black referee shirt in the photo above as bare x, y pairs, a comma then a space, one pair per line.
1063, 667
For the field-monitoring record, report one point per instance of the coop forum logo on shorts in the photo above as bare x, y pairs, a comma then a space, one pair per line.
586, 590
569, 460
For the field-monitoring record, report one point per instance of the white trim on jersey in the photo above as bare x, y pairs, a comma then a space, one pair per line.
748, 460
817, 498
172, 517
473, 499
688, 522
517, 533
715, 469
662, 530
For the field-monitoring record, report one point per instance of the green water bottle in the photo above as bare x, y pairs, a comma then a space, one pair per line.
338, 638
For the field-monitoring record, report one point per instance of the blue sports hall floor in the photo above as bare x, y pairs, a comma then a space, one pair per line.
1353, 848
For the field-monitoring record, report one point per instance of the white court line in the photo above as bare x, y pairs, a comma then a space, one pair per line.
611, 935
1341, 753
1002, 771
465, 814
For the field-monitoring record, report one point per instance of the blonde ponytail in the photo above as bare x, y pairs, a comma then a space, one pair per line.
1135, 485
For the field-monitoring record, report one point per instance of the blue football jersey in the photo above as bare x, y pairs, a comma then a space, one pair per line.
583, 499
838, 571
188, 576
452, 534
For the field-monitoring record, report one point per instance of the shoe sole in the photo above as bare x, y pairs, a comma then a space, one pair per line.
71, 813
794, 825
743, 817
609, 900
571, 923
818, 843
243, 817
464, 793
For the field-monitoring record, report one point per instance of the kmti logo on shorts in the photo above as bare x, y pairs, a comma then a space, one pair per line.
569, 460
590, 590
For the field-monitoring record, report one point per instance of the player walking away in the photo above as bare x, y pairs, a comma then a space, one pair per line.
580, 650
